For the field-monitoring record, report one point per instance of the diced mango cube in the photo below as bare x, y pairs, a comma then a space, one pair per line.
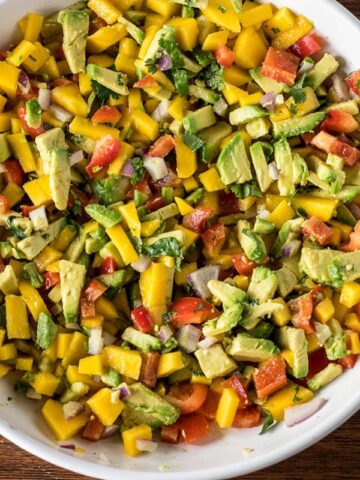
126, 362
277, 403
227, 408
24, 363
7, 352
140, 432
92, 365
324, 311
211, 180
249, 49
170, 363
186, 32
281, 214
352, 321
104, 407
350, 294
281, 317
17, 323
9, 75
45, 383
105, 10
63, 429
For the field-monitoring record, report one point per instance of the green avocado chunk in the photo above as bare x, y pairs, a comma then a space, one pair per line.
297, 126
75, 32
72, 278
233, 163
145, 406
324, 377
114, 81
142, 341
33, 245
248, 349
294, 339
214, 362
107, 217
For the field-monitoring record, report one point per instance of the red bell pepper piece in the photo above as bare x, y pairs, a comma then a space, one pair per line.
142, 319
280, 66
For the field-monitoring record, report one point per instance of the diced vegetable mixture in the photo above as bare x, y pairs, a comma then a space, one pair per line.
179, 235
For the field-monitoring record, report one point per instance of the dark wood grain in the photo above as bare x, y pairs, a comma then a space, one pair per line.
334, 458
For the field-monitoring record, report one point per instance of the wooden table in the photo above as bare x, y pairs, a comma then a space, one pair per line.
335, 458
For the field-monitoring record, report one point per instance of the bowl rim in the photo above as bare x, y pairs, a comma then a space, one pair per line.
53, 454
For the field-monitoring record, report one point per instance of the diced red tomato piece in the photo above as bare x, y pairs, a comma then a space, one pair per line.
162, 147
307, 46
94, 290
238, 384
192, 310
146, 82
106, 114
93, 430
87, 308
301, 310
317, 362
142, 319
170, 433
149, 368
142, 187
224, 56
353, 82
187, 397
228, 203
348, 361
271, 377
341, 122
195, 220
14, 173
155, 203
51, 279
317, 230
308, 137
249, 417
354, 242
33, 132
280, 66
4, 205
108, 265
210, 406
243, 265
193, 427
330, 144
106, 150
214, 238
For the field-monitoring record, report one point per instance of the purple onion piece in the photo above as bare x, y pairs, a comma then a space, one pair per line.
72, 409
188, 337
127, 170
124, 390
24, 82
206, 343
165, 333
300, 413
199, 279
70, 446
341, 88
286, 251
268, 101
164, 63
110, 431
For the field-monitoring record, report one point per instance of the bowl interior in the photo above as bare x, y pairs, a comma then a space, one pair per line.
20, 419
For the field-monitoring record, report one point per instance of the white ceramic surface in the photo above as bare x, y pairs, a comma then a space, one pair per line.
20, 419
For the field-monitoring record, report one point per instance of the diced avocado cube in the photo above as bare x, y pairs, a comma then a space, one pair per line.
266, 84
243, 115
258, 128
143, 341
263, 284
75, 32
46, 331
107, 217
252, 244
260, 166
226, 293
202, 118
247, 349
209, 96
264, 227
284, 163
59, 177
297, 126
294, 339
72, 278
326, 67
4, 148
144, 406
212, 138
114, 81
214, 362
46, 143
287, 281
324, 377
233, 163
9, 281
136, 33
335, 346
256, 312
33, 245
33, 113
224, 323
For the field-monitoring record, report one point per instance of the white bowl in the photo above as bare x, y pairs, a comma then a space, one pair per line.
20, 419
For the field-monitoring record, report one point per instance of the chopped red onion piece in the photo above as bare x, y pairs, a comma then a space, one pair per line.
76, 157
24, 82
164, 63
115, 396
221, 107
60, 113
274, 171
127, 170
263, 214
323, 332
268, 101
39, 218
299, 413
156, 167
161, 111
69, 446
108, 338
279, 99
31, 393
109, 431
124, 390
188, 337
199, 279
341, 88
44, 98
165, 333
286, 251
206, 343
146, 445
96, 343
72, 409
142, 264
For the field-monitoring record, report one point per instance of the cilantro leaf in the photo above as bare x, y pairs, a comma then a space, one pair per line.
213, 76
168, 43
245, 190
168, 246
139, 169
151, 65
268, 421
299, 95
202, 57
293, 109
181, 82
192, 141
103, 93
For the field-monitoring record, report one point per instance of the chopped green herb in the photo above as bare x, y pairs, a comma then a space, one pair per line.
139, 169
269, 421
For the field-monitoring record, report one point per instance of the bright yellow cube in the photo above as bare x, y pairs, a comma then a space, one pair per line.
45, 383
104, 408
20, 53
177, 108
190, 236
126, 152
283, 40
215, 39
249, 49
9, 75
186, 269
126, 362
92, 365
63, 429
253, 99
236, 76
190, 184
105, 10
350, 294
33, 299
73, 376
2, 336
76, 349
256, 15
84, 127
149, 228
170, 363
288, 356
186, 32
227, 408
324, 311
165, 8
4, 369
140, 432
145, 125
7, 352
282, 20
242, 281
186, 162
184, 207
123, 244
355, 343
211, 180
33, 24
37, 59
106, 308
281, 317
24, 363
13, 193
69, 97
313, 343
105, 37
352, 321
17, 323
233, 94
130, 215
281, 214
22, 151
277, 403
222, 13
63, 342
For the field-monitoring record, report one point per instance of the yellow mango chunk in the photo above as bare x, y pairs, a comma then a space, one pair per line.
84, 127
73, 376
20, 53
17, 324
186, 163
63, 429
323, 208
22, 151
130, 215
277, 403
104, 408
9, 75
283, 40
45, 383
281, 214
227, 408
69, 97
33, 300
126, 362
145, 125
211, 180
249, 48
222, 13
105, 10
256, 15
104, 38
170, 363
186, 32
123, 244
140, 432
92, 365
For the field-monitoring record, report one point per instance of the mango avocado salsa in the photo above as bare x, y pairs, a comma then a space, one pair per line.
179, 234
